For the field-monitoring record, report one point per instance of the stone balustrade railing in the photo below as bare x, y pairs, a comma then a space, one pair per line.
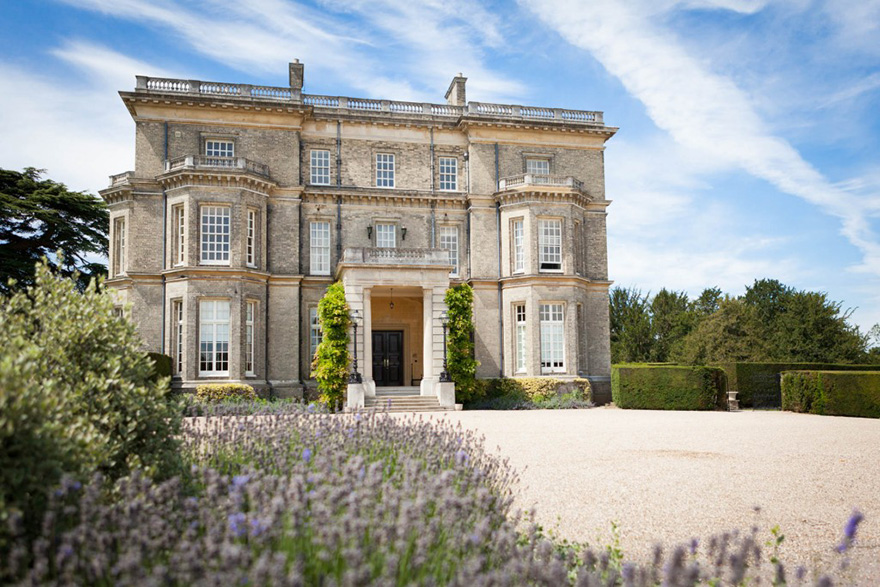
251, 92
120, 178
207, 162
394, 256
531, 179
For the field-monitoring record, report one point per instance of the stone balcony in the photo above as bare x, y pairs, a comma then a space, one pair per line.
395, 256
204, 162
527, 180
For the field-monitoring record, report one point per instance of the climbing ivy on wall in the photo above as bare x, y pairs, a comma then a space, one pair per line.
462, 366
330, 367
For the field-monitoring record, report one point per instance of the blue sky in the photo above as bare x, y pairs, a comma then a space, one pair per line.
749, 141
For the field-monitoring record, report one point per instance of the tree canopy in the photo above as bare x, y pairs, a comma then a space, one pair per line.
769, 322
40, 217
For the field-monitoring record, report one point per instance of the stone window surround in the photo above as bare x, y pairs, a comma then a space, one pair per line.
250, 342
561, 220
178, 336
214, 262
252, 238
520, 346
315, 334
398, 230
375, 151
514, 269
178, 233
454, 156
119, 264
456, 270
329, 165
204, 137
548, 156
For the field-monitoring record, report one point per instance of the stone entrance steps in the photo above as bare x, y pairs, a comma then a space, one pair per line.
403, 399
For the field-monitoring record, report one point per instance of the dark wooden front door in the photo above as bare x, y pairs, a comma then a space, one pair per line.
388, 357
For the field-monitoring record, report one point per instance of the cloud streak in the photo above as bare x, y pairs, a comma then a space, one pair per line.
704, 111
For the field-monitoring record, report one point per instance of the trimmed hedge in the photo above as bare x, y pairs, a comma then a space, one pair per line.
224, 392
758, 383
832, 393
539, 388
646, 387
161, 365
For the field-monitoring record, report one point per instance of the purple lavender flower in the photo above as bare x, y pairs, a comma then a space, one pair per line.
240, 480
307, 455
237, 524
849, 531
694, 544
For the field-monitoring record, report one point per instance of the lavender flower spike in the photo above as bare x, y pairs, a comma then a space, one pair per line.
849, 531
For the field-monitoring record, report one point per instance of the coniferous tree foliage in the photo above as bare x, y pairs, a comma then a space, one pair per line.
769, 322
40, 217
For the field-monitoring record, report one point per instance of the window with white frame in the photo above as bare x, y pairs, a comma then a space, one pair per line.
538, 166
215, 235
118, 246
385, 170
178, 229
449, 241
386, 235
448, 173
319, 248
550, 244
519, 243
519, 320
315, 333
177, 336
251, 240
552, 338
214, 337
320, 167
219, 148
249, 337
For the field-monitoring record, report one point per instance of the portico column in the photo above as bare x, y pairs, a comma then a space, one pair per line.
369, 383
428, 378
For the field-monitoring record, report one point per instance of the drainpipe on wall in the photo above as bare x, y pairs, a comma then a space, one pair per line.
338, 152
433, 224
467, 164
500, 301
433, 185
164, 241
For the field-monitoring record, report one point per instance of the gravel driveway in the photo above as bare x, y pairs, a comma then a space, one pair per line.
670, 476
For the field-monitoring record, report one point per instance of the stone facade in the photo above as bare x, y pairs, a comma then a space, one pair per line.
246, 202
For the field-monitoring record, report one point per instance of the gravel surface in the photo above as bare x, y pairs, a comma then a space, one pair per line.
665, 477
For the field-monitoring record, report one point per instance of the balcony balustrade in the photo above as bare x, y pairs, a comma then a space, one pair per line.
537, 179
217, 163
394, 256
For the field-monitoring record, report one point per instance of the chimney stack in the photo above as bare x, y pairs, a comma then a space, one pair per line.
296, 79
455, 95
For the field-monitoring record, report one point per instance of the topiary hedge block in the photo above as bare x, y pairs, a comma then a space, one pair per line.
758, 383
832, 393
645, 387
224, 392
161, 365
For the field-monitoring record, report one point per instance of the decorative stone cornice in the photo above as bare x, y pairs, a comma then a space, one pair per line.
525, 195
397, 198
553, 280
217, 177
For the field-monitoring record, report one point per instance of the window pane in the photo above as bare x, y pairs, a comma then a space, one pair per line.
219, 148
550, 244
520, 321
448, 173
251, 238
449, 241
320, 167
552, 338
519, 253
215, 235
214, 337
250, 312
315, 334
384, 170
319, 246
538, 166
386, 235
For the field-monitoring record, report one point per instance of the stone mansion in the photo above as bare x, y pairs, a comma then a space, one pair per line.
247, 201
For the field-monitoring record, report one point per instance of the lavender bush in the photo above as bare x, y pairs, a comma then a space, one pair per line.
321, 499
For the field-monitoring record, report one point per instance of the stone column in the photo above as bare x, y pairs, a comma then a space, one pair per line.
369, 382
428, 377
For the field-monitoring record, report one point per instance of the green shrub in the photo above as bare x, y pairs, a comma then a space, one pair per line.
331, 365
161, 365
529, 393
77, 396
832, 393
461, 364
758, 383
224, 392
668, 387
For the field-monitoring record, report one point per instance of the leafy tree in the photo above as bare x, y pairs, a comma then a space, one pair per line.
330, 366
671, 320
731, 333
39, 217
77, 395
707, 303
630, 316
461, 364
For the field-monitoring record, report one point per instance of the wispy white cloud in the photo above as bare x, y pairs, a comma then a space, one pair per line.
74, 127
703, 111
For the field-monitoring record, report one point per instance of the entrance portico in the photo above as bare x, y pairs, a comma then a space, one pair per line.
400, 294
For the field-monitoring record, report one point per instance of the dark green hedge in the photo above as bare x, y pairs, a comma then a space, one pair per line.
161, 365
832, 393
647, 387
758, 383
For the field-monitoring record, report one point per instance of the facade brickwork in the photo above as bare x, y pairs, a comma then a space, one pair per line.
259, 199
